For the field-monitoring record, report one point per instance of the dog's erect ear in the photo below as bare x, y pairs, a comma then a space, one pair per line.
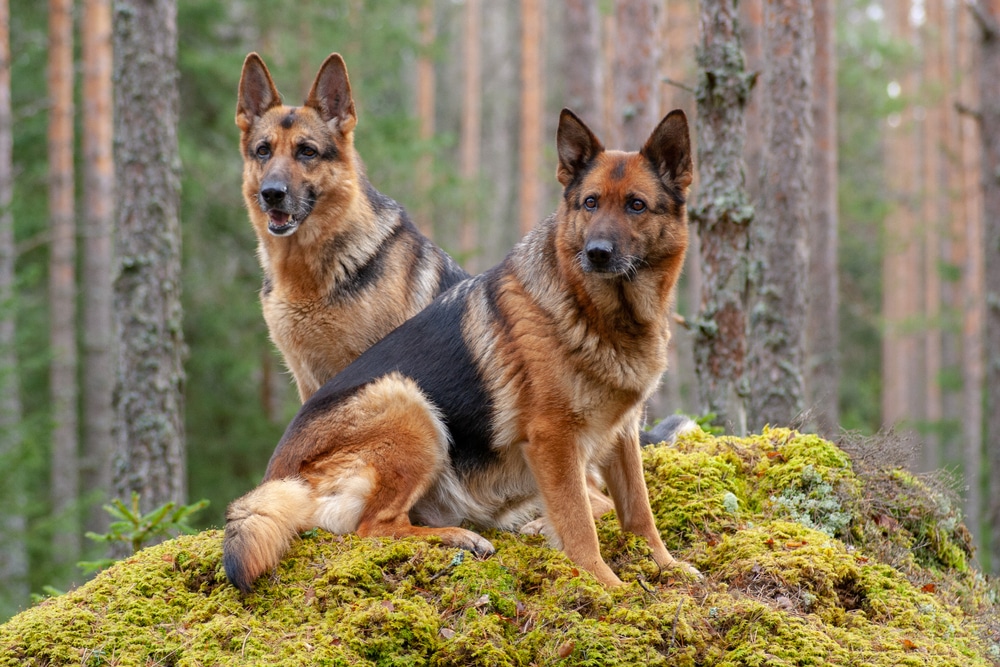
669, 149
331, 94
257, 92
577, 146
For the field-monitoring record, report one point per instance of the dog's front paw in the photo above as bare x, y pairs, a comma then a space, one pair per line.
537, 527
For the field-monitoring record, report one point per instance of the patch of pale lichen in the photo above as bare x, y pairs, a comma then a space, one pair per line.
787, 583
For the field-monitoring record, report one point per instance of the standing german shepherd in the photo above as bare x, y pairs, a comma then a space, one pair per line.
343, 265
492, 404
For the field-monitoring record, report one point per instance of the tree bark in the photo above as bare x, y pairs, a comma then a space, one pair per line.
425, 117
64, 472
501, 228
532, 108
637, 70
988, 17
722, 214
471, 129
149, 427
98, 203
13, 524
823, 365
583, 68
779, 242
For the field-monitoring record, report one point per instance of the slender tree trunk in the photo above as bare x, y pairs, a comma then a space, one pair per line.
902, 256
584, 73
500, 106
988, 17
823, 366
722, 214
531, 144
973, 288
471, 129
64, 471
149, 426
934, 230
637, 70
14, 554
98, 202
425, 116
779, 242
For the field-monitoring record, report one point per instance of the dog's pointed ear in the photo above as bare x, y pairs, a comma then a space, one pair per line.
577, 146
669, 149
257, 92
331, 94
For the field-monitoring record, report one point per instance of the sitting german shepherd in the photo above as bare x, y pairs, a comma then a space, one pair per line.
492, 403
343, 264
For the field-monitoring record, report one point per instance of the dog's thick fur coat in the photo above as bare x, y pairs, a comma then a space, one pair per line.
491, 405
343, 265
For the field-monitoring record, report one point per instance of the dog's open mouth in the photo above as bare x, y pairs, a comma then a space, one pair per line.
281, 223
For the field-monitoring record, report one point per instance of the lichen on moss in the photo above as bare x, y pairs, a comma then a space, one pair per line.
778, 590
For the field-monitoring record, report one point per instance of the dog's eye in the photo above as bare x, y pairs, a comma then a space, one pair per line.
590, 203
263, 151
637, 206
308, 152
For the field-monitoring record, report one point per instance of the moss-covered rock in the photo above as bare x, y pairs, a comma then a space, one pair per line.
803, 565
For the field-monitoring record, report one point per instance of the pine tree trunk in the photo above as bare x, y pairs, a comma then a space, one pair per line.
423, 212
823, 366
779, 240
722, 214
64, 488
583, 68
149, 427
532, 109
500, 102
902, 257
989, 132
98, 202
471, 128
13, 535
637, 70
973, 288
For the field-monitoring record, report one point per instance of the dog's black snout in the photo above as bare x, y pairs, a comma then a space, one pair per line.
599, 252
273, 194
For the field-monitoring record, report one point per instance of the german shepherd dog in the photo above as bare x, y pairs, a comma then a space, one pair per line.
493, 403
343, 265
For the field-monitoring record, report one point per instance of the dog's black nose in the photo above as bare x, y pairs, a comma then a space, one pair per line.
599, 252
273, 195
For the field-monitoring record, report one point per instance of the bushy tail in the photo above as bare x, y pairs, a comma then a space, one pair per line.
260, 527
667, 430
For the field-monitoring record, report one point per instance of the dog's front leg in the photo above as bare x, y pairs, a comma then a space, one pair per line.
555, 462
627, 486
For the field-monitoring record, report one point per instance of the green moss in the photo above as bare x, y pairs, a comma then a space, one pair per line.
787, 582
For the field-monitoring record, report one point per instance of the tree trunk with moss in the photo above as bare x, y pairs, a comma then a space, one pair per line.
149, 425
779, 241
722, 215
988, 17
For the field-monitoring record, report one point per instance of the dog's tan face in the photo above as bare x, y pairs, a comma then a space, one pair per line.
625, 211
294, 157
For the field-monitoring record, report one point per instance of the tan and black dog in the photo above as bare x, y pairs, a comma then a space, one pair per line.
343, 265
491, 405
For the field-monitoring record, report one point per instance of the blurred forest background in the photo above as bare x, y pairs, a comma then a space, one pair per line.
458, 102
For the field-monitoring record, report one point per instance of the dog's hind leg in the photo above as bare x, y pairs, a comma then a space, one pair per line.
401, 449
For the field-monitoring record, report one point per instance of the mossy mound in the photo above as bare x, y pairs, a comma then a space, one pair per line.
803, 567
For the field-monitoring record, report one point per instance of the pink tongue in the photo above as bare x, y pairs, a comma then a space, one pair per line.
278, 218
